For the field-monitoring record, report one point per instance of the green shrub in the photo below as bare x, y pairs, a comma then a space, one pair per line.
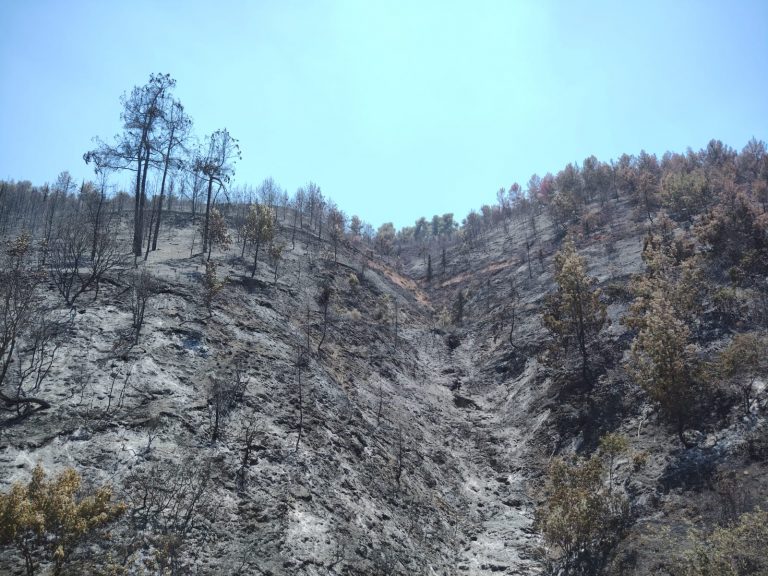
581, 519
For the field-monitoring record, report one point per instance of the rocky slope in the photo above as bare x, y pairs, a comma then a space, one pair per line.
395, 472
423, 439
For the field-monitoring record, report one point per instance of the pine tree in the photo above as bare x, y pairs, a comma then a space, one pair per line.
259, 229
672, 270
742, 363
664, 363
574, 313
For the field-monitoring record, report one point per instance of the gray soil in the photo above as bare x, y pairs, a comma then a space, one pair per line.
424, 440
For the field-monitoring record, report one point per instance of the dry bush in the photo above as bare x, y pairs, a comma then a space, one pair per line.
218, 234
353, 315
46, 520
28, 335
167, 496
78, 260
212, 284
142, 290
732, 497
166, 501
224, 395
737, 550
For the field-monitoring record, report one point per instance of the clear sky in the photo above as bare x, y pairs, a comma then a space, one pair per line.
396, 109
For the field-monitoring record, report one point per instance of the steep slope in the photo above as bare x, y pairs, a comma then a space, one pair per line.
536, 408
383, 434
391, 475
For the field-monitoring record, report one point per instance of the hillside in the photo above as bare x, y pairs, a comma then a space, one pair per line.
374, 408
393, 408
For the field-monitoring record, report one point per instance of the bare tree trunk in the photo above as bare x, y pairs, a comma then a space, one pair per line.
301, 400
97, 224
207, 215
249, 437
152, 212
399, 470
325, 325
142, 203
396, 325
137, 207
217, 411
255, 259
159, 210
162, 186
194, 205
528, 256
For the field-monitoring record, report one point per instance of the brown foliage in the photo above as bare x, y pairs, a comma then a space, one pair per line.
46, 520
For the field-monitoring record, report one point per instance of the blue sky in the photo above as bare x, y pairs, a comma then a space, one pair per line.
396, 109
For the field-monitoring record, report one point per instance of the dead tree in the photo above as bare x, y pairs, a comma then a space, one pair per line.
152, 214
249, 445
399, 463
37, 353
167, 500
458, 309
72, 271
26, 335
510, 311
300, 361
176, 127
224, 395
98, 214
365, 258
142, 290
67, 256
192, 191
217, 166
64, 185
396, 322
324, 301
298, 207
528, 246
138, 147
